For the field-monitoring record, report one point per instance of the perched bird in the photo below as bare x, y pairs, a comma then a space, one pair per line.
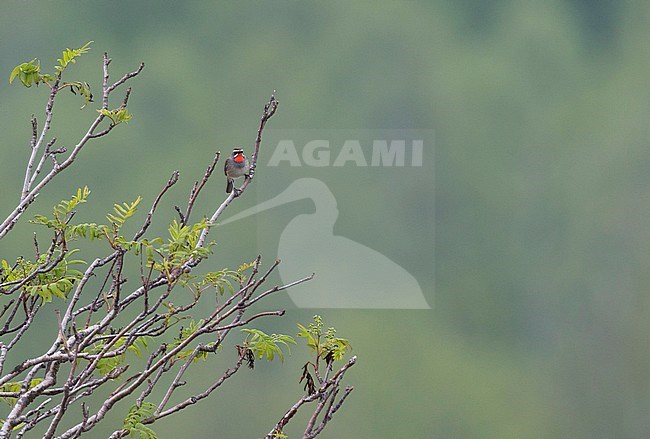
236, 166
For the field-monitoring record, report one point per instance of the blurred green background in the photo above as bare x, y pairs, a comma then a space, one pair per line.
538, 189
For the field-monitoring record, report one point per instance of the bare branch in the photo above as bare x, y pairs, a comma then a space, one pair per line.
327, 386
196, 398
36, 143
171, 182
196, 189
103, 322
269, 111
125, 78
29, 193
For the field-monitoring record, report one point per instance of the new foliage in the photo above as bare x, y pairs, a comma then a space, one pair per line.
93, 348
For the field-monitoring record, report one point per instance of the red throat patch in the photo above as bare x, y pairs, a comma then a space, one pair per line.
239, 158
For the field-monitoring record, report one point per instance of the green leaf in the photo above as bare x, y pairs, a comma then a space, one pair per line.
264, 345
15, 72
123, 212
16, 387
116, 116
133, 421
57, 291
69, 56
28, 73
331, 348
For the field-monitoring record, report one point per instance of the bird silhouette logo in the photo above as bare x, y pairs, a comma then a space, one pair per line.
348, 273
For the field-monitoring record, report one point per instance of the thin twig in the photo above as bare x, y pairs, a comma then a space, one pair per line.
284, 420
196, 189
30, 193
269, 111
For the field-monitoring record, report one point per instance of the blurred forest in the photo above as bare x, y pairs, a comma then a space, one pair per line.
537, 187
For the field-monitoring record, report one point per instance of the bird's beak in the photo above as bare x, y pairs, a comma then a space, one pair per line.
286, 196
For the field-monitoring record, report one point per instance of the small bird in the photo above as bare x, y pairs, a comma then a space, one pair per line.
236, 166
